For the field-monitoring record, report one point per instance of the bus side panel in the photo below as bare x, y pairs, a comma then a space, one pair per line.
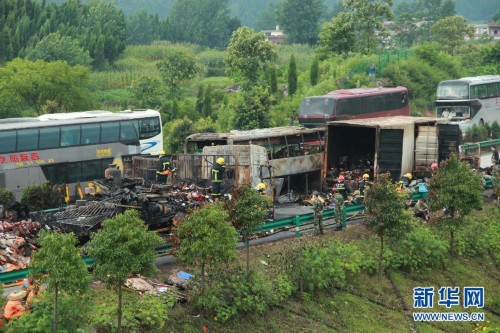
390, 151
449, 140
18, 179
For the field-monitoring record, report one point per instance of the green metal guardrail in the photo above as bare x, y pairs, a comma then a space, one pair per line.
467, 147
13, 276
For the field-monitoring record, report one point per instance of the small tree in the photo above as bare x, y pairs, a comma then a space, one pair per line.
292, 76
65, 270
6, 197
247, 210
385, 214
314, 72
457, 190
206, 237
123, 247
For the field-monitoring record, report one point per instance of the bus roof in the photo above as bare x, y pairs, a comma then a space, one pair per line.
474, 79
132, 114
254, 134
17, 120
49, 123
388, 122
366, 91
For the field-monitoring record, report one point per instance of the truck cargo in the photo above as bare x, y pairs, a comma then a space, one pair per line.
397, 145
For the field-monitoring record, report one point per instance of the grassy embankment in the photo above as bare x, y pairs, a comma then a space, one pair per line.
367, 303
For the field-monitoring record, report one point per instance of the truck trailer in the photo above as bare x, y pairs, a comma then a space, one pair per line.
397, 145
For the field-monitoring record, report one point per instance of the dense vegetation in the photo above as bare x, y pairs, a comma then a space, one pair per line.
191, 68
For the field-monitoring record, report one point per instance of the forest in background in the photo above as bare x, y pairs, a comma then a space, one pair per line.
206, 75
253, 13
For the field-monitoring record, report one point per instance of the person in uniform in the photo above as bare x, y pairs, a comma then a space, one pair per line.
318, 213
165, 168
218, 170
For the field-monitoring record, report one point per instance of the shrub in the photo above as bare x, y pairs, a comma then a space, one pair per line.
141, 313
6, 197
231, 291
481, 235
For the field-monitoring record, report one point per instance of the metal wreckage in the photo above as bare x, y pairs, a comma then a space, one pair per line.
160, 206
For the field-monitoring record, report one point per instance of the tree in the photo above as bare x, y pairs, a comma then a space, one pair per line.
457, 190
247, 209
123, 246
202, 22
181, 128
300, 20
252, 109
206, 237
148, 92
337, 36
103, 33
292, 76
55, 47
142, 28
178, 66
199, 99
206, 110
37, 82
384, 211
368, 22
249, 55
450, 32
314, 72
62, 267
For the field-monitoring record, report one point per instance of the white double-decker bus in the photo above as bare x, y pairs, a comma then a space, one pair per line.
469, 100
147, 122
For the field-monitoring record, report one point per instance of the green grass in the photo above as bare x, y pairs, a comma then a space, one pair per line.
367, 303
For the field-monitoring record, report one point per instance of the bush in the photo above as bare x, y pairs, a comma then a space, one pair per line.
230, 292
43, 197
328, 264
141, 313
420, 249
73, 315
6, 197
481, 235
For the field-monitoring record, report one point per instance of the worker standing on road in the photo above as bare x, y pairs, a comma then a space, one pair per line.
363, 183
342, 187
339, 207
318, 214
218, 171
165, 168
495, 160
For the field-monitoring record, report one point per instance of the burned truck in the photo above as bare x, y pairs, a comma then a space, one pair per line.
397, 145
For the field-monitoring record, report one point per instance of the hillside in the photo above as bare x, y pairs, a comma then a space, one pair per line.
249, 12
366, 303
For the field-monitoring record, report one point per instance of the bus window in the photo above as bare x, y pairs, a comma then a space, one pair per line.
483, 91
27, 139
92, 170
8, 140
474, 92
109, 132
127, 132
74, 172
91, 134
56, 173
149, 127
49, 137
492, 90
70, 135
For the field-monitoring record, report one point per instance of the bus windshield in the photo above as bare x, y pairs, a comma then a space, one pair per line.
453, 112
453, 90
317, 106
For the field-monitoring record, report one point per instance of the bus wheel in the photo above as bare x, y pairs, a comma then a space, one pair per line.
481, 122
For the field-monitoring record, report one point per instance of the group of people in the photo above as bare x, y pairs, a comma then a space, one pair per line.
166, 170
21, 301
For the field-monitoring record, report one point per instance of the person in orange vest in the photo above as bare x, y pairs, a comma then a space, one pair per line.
14, 307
